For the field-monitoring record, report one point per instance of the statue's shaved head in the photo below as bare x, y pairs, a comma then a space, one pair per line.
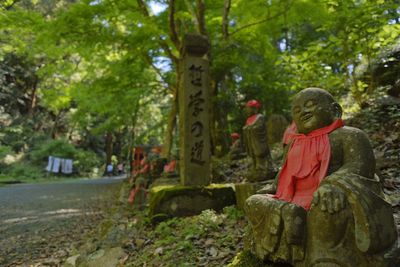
321, 93
314, 108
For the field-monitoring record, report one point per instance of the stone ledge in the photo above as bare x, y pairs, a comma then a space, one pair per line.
177, 201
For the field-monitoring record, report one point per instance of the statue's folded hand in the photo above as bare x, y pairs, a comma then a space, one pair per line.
329, 198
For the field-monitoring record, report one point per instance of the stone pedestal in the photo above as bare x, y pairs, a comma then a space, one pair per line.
176, 201
244, 190
194, 194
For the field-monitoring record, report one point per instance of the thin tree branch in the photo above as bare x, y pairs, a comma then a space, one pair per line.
191, 10
157, 70
200, 15
143, 8
160, 41
173, 34
225, 19
258, 22
8, 7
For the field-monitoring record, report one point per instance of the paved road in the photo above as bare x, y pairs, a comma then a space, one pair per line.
41, 223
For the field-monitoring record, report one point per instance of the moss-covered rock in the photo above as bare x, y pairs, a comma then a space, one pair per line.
243, 191
162, 181
246, 259
172, 201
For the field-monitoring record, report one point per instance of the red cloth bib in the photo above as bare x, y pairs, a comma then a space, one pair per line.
252, 119
292, 129
306, 165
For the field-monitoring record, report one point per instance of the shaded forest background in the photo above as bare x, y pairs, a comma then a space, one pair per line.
90, 79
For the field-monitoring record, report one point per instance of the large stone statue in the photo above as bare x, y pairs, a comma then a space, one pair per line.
328, 209
256, 143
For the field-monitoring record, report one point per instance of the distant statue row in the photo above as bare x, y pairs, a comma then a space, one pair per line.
328, 207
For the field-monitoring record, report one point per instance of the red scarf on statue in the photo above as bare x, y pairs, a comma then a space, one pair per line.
252, 119
306, 165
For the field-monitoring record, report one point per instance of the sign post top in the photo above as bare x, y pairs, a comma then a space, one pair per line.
195, 45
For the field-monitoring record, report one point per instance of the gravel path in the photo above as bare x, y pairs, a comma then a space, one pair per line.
42, 224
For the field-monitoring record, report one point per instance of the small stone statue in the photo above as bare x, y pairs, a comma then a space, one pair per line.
256, 143
328, 209
236, 151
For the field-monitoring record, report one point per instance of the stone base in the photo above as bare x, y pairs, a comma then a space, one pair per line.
163, 181
177, 201
246, 259
245, 190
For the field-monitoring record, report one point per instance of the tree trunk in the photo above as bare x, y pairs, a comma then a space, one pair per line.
169, 134
109, 147
33, 99
222, 121
218, 121
212, 116
54, 130
118, 145
130, 151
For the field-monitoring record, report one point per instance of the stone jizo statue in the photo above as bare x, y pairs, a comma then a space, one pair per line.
236, 151
256, 143
328, 209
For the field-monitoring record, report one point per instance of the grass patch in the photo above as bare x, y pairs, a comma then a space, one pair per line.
208, 239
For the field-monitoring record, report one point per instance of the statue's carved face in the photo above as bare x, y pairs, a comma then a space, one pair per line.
311, 110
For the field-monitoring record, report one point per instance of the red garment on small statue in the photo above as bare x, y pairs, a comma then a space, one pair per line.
306, 165
132, 195
288, 135
170, 167
252, 119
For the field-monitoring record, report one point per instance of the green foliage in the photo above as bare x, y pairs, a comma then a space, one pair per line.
112, 65
23, 171
84, 161
4, 151
56, 148
233, 213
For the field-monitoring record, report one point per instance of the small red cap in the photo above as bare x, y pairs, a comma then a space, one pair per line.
253, 104
235, 135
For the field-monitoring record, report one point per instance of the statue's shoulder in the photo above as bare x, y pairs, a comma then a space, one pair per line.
261, 116
349, 133
260, 120
349, 137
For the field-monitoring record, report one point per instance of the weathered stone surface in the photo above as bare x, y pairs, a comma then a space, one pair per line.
106, 258
256, 145
165, 181
349, 222
277, 230
195, 45
244, 191
171, 201
246, 259
276, 126
73, 261
194, 132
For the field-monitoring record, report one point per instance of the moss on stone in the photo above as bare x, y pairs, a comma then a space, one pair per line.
243, 191
246, 259
171, 201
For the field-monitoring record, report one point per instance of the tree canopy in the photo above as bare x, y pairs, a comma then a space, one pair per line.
112, 65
